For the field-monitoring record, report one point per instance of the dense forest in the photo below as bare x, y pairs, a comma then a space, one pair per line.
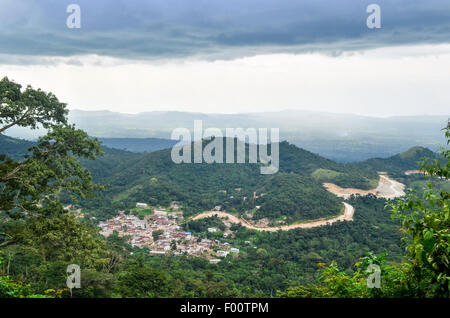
272, 262
155, 179
407, 238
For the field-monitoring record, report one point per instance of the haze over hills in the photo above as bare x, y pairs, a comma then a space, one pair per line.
341, 137
397, 164
138, 144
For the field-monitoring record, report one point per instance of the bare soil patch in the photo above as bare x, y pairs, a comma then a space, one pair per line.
387, 188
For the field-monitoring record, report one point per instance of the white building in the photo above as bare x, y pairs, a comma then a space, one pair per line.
157, 252
222, 253
141, 205
214, 261
174, 205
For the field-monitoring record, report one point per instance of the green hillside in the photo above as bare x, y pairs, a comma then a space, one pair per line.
15, 148
297, 198
112, 159
303, 162
291, 194
283, 259
398, 164
294, 194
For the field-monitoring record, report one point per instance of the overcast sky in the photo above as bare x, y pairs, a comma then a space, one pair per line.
228, 56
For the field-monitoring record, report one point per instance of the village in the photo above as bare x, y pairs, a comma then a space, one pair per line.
161, 233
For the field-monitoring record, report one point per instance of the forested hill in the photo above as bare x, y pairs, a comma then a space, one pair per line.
138, 144
303, 162
112, 159
292, 160
15, 148
294, 193
400, 163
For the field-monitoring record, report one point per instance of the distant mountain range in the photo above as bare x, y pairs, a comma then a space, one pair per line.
341, 137
138, 144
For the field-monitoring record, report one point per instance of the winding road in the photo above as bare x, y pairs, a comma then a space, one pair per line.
346, 216
387, 188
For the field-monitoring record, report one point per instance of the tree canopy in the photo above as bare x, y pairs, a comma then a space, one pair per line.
31, 185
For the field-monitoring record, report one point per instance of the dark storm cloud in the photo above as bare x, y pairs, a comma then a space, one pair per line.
214, 28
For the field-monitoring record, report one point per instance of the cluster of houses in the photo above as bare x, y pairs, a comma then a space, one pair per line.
161, 233
125, 225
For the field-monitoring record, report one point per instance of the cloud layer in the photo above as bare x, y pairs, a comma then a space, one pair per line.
214, 29
405, 80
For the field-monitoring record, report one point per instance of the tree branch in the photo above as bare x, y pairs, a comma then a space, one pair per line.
3, 244
15, 122
10, 175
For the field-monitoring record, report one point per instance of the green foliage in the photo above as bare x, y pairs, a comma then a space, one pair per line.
292, 193
296, 198
38, 239
305, 163
29, 108
426, 223
156, 234
62, 238
15, 148
32, 185
325, 174
398, 164
333, 282
143, 281
13, 289
202, 225
41, 238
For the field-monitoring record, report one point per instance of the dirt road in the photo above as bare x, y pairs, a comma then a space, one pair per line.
346, 216
387, 188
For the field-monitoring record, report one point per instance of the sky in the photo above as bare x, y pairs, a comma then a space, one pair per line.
232, 56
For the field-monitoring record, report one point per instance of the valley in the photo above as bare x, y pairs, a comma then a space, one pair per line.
386, 189
252, 233
246, 151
